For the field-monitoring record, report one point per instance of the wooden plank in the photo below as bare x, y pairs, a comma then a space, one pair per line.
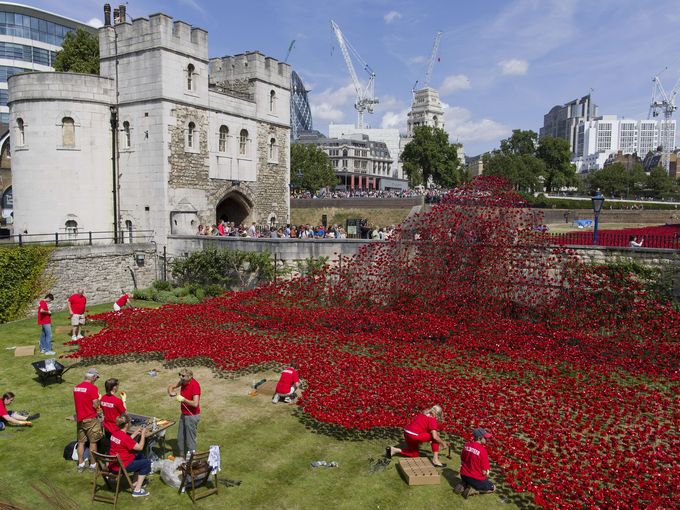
24, 350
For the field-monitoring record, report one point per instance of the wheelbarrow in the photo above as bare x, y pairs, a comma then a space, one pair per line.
49, 369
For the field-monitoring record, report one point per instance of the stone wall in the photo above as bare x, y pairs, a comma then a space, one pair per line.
101, 270
272, 197
189, 168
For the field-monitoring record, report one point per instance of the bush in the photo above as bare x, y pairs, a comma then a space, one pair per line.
214, 290
225, 268
162, 285
21, 279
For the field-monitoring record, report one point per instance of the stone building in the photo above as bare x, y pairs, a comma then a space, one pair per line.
359, 163
164, 139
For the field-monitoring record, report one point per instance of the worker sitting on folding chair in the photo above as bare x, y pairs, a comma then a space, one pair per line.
125, 447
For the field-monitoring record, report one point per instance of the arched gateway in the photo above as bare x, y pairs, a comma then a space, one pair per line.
234, 207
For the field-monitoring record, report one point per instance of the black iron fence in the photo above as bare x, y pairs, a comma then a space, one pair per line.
79, 238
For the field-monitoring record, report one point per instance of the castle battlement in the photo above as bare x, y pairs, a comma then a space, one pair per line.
249, 66
157, 31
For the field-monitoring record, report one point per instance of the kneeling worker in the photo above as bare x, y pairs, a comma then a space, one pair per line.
125, 447
11, 417
474, 467
288, 383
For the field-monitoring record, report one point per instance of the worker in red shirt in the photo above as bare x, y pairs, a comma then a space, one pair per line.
288, 383
423, 428
76, 307
474, 465
125, 447
86, 400
12, 417
45, 323
112, 406
122, 302
189, 398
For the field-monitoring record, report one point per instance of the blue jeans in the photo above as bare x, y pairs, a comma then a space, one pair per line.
480, 485
140, 465
46, 337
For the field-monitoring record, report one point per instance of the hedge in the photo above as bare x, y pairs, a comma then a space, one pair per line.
21, 279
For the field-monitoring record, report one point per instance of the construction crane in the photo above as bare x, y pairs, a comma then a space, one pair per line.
290, 48
433, 57
365, 98
664, 104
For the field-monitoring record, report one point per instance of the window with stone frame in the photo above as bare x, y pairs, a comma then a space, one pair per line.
272, 101
68, 132
21, 135
273, 150
191, 141
127, 137
243, 142
190, 77
223, 137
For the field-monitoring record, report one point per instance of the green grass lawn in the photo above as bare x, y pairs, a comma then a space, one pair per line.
264, 445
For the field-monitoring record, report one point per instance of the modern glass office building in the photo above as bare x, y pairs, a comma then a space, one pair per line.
29, 41
300, 112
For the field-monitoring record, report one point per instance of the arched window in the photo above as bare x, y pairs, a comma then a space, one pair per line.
128, 227
243, 142
71, 228
273, 156
344, 153
68, 132
272, 101
224, 132
191, 135
126, 135
190, 76
21, 139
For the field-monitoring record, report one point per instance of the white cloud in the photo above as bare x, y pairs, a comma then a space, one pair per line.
391, 16
462, 128
329, 105
95, 22
454, 82
419, 59
391, 120
514, 66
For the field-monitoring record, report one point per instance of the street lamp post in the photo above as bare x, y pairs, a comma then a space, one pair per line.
598, 201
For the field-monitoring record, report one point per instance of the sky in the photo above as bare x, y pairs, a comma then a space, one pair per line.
501, 66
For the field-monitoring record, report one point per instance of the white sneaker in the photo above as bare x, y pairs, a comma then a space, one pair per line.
49, 353
79, 337
74, 337
81, 467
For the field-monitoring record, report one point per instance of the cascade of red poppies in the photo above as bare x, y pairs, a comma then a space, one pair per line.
468, 306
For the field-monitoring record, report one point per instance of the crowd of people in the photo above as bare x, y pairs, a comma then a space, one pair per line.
289, 231
430, 194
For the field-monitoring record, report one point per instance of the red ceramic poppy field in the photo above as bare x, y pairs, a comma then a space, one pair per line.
575, 372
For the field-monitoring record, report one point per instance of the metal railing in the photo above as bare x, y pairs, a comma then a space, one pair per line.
615, 240
80, 238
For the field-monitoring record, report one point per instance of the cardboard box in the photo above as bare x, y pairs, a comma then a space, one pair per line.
418, 471
24, 350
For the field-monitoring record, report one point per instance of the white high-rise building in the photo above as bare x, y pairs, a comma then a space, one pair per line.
606, 135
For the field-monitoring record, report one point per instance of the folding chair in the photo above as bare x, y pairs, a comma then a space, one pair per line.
196, 473
112, 479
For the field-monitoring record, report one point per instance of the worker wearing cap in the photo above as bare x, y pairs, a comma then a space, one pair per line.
188, 398
474, 468
86, 399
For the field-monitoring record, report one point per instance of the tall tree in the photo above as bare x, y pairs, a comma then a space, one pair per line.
524, 171
80, 53
310, 168
617, 180
659, 181
521, 142
430, 155
556, 155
